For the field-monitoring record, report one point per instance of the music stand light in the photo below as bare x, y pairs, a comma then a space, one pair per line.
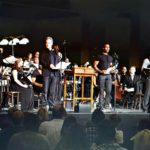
4, 42
14, 40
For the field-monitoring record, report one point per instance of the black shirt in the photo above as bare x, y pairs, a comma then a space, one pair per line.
47, 58
104, 61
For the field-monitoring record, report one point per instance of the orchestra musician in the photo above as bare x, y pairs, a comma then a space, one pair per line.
37, 77
103, 65
131, 87
146, 68
123, 74
18, 83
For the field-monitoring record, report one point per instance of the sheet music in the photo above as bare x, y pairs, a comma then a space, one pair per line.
108, 71
9, 60
62, 65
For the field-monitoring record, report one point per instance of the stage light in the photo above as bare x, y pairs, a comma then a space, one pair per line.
4, 42
24, 41
11, 43
14, 40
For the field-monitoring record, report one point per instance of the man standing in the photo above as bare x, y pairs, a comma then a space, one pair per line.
50, 74
146, 70
103, 65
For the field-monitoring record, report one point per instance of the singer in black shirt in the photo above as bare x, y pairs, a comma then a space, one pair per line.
102, 64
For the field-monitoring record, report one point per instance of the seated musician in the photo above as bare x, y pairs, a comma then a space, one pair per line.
69, 67
37, 77
37, 54
28, 61
131, 83
123, 74
19, 84
146, 70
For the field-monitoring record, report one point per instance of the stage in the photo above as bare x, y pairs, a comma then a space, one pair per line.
84, 113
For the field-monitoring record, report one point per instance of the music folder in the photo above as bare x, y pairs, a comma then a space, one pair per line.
9, 60
146, 71
62, 65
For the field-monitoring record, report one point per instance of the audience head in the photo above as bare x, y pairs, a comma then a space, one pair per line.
71, 140
31, 121
97, 116
141, 141
69, 120
28, 141
106, 132
58, 112
43, 114
17, 117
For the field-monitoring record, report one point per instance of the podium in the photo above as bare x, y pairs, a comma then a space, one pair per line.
75, 73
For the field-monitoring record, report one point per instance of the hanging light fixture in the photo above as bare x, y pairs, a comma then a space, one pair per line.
4, 42
14, 40
24, 41
11, 42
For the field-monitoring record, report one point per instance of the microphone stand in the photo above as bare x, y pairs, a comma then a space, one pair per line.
1, 80
65, 48
59, 84
115, 78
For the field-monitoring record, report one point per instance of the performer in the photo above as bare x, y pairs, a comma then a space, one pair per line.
146, 99
28, 61
131, 86
37, 77
50, 74
103, 65
19, 84
123, 74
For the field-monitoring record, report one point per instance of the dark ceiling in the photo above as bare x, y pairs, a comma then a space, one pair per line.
86, 23
34, 9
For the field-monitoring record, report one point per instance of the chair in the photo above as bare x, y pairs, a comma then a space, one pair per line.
128, 100
37, 100
13, 95
138, 101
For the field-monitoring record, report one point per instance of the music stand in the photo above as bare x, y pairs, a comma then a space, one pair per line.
61, 66
1, 83
146, 71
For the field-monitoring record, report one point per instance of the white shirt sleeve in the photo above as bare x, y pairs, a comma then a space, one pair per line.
145, 64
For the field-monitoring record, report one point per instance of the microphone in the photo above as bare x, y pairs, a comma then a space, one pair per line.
64, 42
115, 55
1, 50
60, 55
